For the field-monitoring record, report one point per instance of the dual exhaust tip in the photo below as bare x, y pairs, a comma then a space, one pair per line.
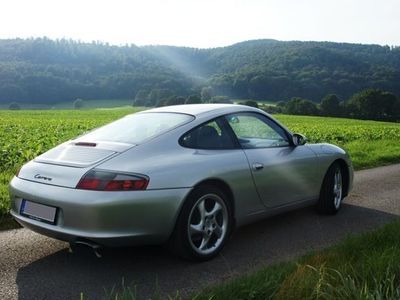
96, 248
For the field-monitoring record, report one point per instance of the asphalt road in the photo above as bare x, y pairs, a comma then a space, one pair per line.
35, 267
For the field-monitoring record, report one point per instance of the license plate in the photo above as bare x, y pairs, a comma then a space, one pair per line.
38, 211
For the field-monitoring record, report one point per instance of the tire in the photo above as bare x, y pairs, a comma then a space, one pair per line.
331, 195
203, 225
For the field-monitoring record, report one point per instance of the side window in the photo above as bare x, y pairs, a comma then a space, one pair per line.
211, 135
257, 131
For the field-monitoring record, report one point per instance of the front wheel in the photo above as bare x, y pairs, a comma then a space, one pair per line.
203, 225
331, 194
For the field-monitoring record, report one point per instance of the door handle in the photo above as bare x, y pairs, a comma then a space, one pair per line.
258, 166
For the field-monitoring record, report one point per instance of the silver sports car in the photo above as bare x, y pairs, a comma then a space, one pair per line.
183, 175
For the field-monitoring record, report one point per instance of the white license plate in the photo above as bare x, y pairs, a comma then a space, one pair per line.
38, 211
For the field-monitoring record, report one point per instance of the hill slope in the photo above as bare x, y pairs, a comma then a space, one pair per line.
46, 71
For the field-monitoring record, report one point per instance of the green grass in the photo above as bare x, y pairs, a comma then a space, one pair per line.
365, 266
26, 134
369, 143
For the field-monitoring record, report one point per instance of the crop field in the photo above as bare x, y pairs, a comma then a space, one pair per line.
26, 134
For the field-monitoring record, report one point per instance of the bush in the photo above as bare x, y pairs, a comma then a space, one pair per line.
299, 106
174, 100
251, 103
78, 103
271, 109
330, 106
206, 93
221, 99
14, 106
193, 99
374, 104
140, 98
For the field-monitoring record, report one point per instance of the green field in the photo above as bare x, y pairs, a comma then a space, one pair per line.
26, 134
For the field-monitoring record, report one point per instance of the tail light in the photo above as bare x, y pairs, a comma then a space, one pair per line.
108, 181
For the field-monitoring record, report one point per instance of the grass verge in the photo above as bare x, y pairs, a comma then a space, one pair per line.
365, 266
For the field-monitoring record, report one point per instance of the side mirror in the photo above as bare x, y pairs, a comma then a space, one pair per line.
298, 139
233, 120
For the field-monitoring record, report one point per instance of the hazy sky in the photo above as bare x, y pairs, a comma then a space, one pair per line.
203, 23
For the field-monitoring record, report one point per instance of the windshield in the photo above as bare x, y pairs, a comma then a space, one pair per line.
134, 129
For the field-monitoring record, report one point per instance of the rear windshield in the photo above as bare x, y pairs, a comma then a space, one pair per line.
134, 129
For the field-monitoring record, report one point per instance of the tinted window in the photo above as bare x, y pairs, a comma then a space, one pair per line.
136, 128
257, 131
212, 135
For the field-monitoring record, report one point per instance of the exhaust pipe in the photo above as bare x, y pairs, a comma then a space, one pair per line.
95, 247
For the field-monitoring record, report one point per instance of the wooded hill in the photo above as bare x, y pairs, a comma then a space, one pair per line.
47, 71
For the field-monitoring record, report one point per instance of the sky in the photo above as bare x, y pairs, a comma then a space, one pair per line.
203, 23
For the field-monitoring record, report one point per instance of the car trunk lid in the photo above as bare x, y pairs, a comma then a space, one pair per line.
65, 164
81, 154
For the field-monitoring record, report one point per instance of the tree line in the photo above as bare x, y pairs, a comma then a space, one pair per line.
371, 104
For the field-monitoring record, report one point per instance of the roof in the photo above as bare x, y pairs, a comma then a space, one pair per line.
198, 109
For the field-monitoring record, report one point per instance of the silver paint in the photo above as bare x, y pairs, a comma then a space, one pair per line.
289, 177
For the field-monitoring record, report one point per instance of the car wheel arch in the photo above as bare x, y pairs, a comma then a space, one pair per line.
345, 173
220, 184
224, 187
211, 186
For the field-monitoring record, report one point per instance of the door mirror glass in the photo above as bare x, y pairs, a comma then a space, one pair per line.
299, 139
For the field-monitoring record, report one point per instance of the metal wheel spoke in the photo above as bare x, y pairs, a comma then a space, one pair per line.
202, 209
217, 207
337, 188
196, 228
205, 231
218, 231
204, 242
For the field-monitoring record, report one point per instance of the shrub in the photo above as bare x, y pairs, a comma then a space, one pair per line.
14, 106
78, 103
251, 103
221, 99
193, 99
298, 106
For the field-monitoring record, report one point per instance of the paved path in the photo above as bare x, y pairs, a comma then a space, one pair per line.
35, 267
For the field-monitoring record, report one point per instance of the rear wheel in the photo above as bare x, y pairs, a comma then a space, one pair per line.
203, 225
331, 194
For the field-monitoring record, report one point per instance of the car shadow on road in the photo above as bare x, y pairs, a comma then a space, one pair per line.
64, 275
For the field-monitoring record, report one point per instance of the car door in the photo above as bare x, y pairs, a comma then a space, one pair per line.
282, 173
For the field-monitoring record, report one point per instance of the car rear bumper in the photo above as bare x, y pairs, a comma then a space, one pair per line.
104, 218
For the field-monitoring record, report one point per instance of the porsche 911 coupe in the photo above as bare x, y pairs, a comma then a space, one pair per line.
183, 175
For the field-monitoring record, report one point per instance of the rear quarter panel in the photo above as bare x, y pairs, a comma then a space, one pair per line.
170, 165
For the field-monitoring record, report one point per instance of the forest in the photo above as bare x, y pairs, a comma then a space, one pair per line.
49, 71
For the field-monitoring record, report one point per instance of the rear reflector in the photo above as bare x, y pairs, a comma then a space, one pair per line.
108, 181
